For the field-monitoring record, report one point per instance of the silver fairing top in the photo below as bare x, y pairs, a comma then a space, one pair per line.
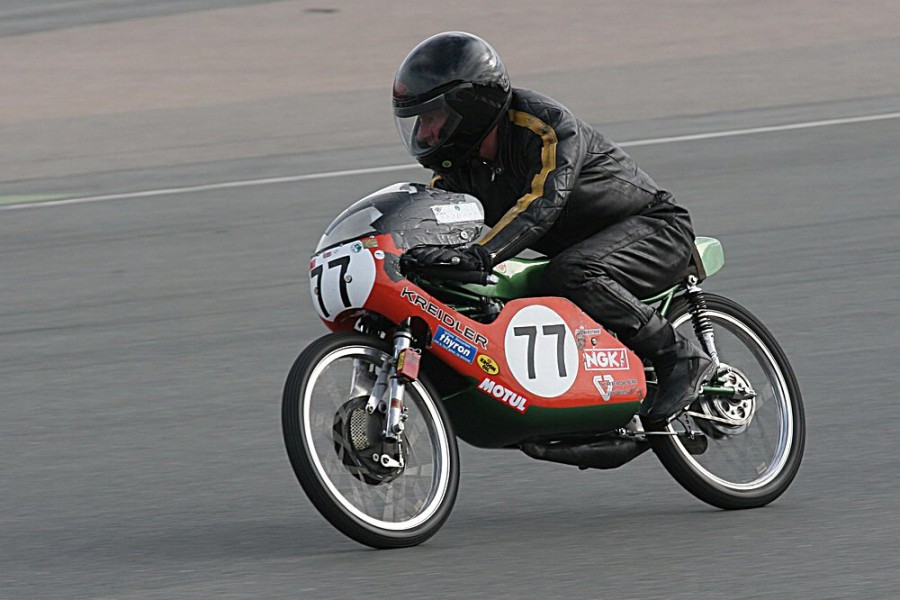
414, 213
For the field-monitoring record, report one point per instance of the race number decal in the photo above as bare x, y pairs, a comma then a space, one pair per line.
541, 351
341, 278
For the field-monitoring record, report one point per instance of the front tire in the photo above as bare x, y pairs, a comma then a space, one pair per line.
750, 464
325, 389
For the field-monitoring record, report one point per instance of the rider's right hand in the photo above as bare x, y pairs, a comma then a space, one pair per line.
467, 258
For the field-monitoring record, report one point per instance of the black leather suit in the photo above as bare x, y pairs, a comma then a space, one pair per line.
559, 187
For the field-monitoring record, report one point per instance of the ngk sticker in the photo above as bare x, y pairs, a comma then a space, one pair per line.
605, 359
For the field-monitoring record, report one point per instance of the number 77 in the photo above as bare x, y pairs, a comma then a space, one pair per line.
343, 262
531, 331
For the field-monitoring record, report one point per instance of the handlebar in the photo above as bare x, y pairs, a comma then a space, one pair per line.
479, 277
447, 272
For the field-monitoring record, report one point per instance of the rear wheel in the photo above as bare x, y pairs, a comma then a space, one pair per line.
334, 445
754, 438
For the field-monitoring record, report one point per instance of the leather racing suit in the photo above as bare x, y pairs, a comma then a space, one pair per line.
561, 188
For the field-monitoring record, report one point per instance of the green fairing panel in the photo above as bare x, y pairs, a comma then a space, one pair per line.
483, 422
711, 254
519, 277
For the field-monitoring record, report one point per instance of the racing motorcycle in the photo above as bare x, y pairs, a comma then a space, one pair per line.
416, 357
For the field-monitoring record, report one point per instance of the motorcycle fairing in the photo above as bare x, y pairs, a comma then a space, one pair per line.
540, 358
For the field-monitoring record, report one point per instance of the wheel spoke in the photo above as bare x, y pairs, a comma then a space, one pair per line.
382, 497
752, 459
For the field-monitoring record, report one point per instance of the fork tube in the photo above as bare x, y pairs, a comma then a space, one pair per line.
381, 384
394, 422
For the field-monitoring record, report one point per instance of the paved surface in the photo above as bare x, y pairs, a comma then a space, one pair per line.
144, 342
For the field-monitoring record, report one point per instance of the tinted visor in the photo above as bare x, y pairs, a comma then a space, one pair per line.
425, 128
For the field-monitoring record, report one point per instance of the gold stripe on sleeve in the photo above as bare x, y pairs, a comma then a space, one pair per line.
548, 163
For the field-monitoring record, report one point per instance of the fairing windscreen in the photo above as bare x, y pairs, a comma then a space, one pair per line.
414, 213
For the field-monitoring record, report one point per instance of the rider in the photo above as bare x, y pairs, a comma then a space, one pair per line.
550, 182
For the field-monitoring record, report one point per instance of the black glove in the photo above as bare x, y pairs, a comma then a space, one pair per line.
468, 258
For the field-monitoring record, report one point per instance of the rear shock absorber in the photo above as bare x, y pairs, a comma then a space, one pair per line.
699, 318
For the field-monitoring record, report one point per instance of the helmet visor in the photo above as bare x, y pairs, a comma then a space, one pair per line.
428, 128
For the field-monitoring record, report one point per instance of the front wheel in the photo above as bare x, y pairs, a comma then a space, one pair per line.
754, 438
333, 444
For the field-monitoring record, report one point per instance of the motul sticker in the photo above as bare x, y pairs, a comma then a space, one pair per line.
509, 397
605, 359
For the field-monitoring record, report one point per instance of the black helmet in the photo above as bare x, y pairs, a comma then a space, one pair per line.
448, 94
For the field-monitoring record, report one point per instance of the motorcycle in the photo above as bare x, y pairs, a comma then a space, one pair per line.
416, 357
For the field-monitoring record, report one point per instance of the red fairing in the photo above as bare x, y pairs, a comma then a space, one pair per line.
538, 352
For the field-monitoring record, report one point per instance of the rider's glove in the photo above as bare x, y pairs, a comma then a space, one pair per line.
468, 258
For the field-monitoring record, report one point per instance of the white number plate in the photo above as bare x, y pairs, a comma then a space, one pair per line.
341, 278
541, 351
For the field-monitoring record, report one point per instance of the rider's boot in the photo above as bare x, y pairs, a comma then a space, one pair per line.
681, 366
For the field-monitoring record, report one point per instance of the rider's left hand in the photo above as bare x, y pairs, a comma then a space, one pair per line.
468, 258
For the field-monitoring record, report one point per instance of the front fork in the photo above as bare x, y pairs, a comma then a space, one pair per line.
398, 369
394, 422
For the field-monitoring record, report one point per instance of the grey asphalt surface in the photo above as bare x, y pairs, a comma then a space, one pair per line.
144, 344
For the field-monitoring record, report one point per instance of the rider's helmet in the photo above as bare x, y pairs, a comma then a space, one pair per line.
448, 94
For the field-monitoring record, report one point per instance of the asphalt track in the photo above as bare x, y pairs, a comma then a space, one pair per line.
144, 342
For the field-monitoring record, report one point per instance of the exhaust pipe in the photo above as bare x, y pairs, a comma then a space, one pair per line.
608, 453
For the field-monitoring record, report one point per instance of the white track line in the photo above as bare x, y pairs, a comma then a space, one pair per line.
331, 174
755, 130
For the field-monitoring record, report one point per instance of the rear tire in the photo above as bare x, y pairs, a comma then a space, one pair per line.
752, 465
325, 389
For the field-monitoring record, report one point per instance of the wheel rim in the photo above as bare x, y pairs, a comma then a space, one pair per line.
401, 503
750, 457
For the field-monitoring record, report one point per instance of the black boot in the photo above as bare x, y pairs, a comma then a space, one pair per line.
681, 371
